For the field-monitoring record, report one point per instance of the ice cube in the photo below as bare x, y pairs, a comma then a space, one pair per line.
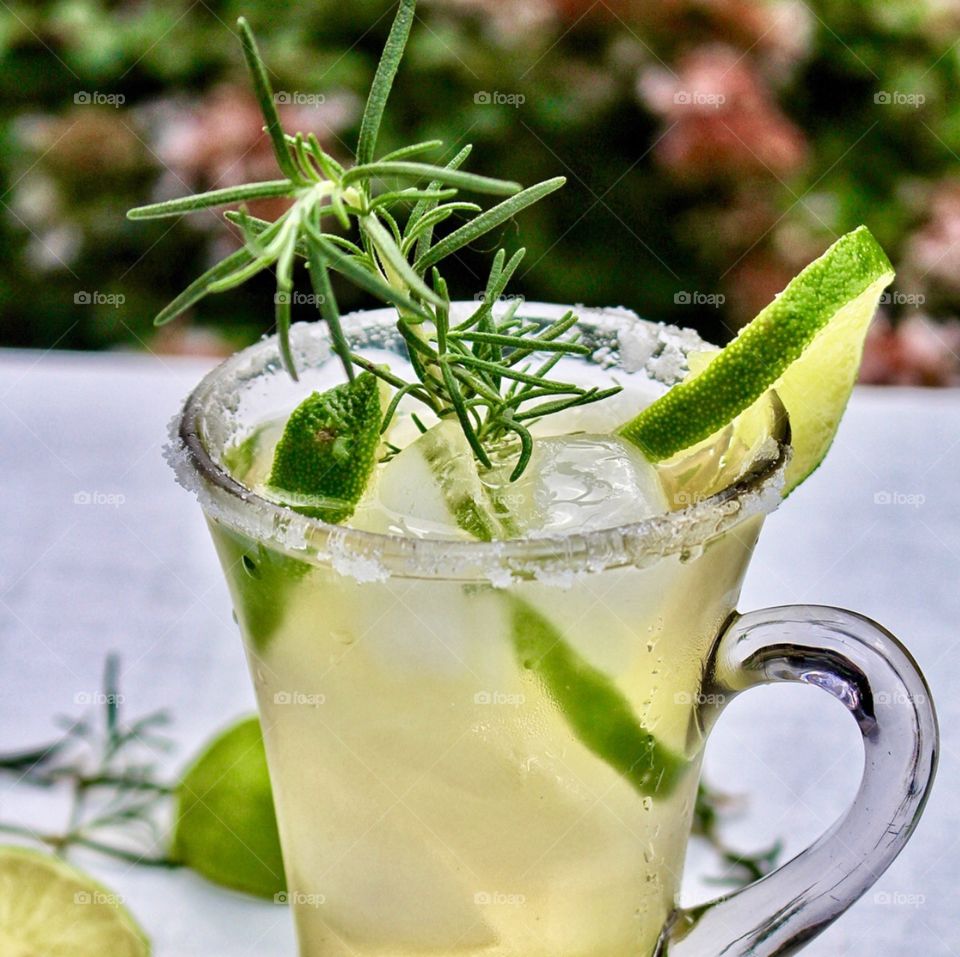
575, 483
430, 489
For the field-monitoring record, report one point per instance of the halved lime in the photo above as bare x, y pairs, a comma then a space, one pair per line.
226, 823
50, 909
806, 344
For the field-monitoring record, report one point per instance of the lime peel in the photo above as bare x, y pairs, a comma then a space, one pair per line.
328, 450
596, 711
806, 344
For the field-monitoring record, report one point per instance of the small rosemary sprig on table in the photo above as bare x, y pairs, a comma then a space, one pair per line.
114, 789
742, 868
482, 370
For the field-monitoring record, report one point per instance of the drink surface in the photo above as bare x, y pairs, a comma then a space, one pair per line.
581, 475
464, 769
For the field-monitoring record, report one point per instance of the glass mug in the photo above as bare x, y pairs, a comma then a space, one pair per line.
494, 748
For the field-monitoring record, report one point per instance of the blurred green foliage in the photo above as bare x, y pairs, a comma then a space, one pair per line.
711, 147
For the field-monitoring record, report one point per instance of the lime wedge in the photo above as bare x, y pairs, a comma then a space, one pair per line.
806, 344
597, 712
328, 450
226, 826
738, 451
50, 909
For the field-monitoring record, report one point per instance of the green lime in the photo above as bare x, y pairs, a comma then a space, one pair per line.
226, 826
50, 909
806, 344
328, 450
597, 712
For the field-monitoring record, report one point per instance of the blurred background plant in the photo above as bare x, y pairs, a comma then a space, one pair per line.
713, 147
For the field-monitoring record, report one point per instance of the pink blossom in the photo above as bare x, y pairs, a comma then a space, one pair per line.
916, 352
721, 121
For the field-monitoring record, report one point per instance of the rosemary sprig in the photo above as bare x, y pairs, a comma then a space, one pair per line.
389, 208
742, 868
114, 788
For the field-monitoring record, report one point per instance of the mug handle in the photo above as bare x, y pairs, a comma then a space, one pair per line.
865, 668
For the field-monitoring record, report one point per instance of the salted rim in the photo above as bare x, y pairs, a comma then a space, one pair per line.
372, 556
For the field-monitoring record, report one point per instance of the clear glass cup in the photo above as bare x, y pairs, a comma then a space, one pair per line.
494, 748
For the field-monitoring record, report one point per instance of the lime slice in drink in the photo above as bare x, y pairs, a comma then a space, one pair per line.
328, 450
260, 581
806, 344
596, 711
49, 908
226, 823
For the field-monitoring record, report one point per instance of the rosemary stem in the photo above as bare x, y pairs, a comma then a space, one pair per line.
122, 854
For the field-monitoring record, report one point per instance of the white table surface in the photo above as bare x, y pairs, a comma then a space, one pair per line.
140, 578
